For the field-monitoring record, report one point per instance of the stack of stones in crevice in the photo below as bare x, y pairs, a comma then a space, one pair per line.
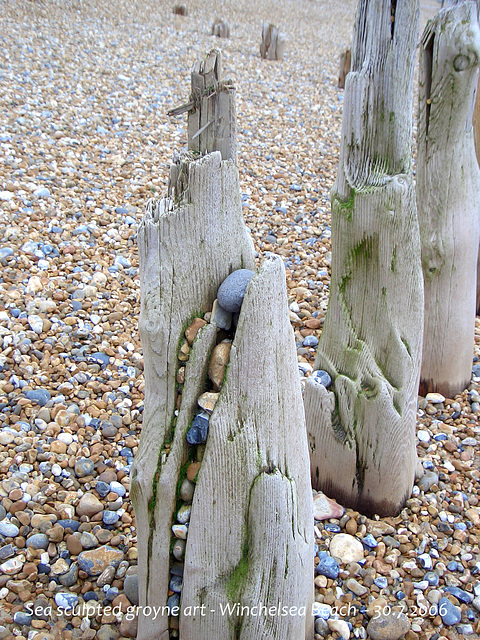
225, 313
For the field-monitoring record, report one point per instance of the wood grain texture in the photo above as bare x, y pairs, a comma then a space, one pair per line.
272, 46
362, 431
250, 539
186, 251
448, 191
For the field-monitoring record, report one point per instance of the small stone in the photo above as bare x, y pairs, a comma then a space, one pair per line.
221, 317
435, 398
322, 377
95, 561
66, 600
346, 548
118, 488
89, 505
340, 627
423, 435
327, 566
325, 508
13, 566
183, 515
69, 579
218, 363
460, 594
310, 341
180, 531
449, 613
130, 586
192, 471
192, 330
427, 481
179, 549
106, 577
187, 489
208, 400
38, 541
22, 618
110, 517
84, 467
370, 541
357, 588
232, 290
39, 396
8, 529
388, 627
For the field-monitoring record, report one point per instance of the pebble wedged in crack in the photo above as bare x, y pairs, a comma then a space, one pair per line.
84, 142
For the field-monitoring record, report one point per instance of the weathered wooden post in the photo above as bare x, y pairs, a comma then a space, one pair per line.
225, 525
221, 29
345, 64
180, 10
448, 193
362, 428
272, 46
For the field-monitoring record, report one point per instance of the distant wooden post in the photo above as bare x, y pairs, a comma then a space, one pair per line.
345, 64
180, 10
273, 43
248, 540
221, 29
448, 196
362, 428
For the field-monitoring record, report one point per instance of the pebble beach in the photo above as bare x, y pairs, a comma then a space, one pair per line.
85, 142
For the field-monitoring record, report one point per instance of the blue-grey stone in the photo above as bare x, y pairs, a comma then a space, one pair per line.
38, 541
111, 593
102, 488
460, 594
66, 600
44, 568
449, 612
8, 529
381, 582
327, 566
5, 252
43, 192
84, 467
333, 528
175, 584
173, 602
222, 318
400, 595
452, 565
427, 481
22, 617
232, 290
70, 578
322, 377
130, 587
197, 434
90, 595
7, 551
40, 396
465, 629
110, 517
432, 578
118, 488
370, 541
68, 523
99, 358
310, 341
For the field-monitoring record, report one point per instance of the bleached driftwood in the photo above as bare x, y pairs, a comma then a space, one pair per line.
345, 64
272, 46
448, 194
362, 430
221, 29
250, 538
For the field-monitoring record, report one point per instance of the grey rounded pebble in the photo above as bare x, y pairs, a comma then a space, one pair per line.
84, 467
70, 578
110, 517
8, 529
232, 290
107, 632
38, 541
130, 587
21, 617
449, 612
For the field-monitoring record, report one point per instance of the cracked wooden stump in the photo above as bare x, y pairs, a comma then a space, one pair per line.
250, 534
448, 190
272, 46
362, 429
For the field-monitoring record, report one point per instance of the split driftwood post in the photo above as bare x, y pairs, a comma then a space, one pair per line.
272, 46
221, 29
362, 429
345, 64
448, 194
226, 525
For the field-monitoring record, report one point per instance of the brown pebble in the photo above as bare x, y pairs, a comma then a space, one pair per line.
74, 545
192, 470
192, 330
